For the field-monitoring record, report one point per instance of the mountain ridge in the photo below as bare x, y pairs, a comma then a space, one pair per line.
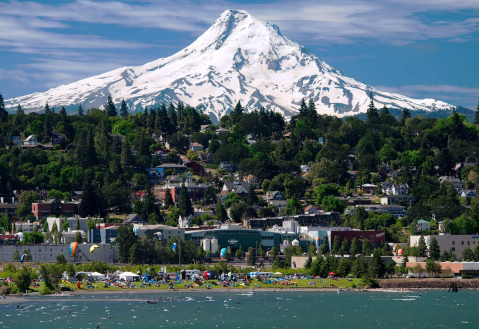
239, 58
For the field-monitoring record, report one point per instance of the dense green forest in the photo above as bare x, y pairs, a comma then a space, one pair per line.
107, 167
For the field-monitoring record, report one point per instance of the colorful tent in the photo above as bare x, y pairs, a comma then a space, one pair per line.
332, 273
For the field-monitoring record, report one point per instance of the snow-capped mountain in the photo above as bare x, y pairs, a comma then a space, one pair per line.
238, 58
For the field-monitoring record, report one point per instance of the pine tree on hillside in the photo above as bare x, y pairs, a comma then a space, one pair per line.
20, 111
476, 116
3, 112
422, 247
221, 214
406, 114
168, 199
434, 251
80, 110
126, 157
63, 111
110, 108
303, 109
173, 118
237, 112
372, 111
123, 109
47, 108
184, 202
384, 110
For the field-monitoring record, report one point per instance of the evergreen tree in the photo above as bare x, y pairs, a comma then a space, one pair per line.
110, 108
20, 111
303, 109
376, 268
476, 115
261, 250
173, 118
77, 224
372, 111
406, 114
355, 249
63, 111
85, 150
47, 108
359, 267
221, 214
237, 113
367, 247
210, 195
163, 125
336, 245
344, 250
384, 110
184, 202
251, 257
324, 249
251, 198
308, 263
126, 157
434, 251
422, 247
80, 110
90, 204
168, 202
3, 112
123, 109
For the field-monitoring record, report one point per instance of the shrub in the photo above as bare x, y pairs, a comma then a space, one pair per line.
46, 290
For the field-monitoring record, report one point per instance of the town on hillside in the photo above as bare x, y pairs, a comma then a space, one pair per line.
315, 194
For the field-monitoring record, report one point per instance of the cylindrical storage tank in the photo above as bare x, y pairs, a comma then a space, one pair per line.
206, 244
214, 246
295, 243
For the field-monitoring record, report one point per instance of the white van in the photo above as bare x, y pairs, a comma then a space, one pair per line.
193, 273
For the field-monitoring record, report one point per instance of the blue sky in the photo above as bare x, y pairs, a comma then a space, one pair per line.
424, 49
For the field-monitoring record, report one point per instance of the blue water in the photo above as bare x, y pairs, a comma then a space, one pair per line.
263, 310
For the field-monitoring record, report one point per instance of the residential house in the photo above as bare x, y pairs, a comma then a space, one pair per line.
251, 179
134, 219
275, 195
196, 147
58, 138
423, 225
162, 156
456, 182
159, 173
206, 158
220, 131
280, 204
369, 189
227, 166
240, 188
312, 210
468, 193
398, 199
31, 140
16, 141
305, 169
389, 188
26, 227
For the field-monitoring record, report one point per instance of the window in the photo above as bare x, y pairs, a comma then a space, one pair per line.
462, 243
468, 243
453, 249
453, 243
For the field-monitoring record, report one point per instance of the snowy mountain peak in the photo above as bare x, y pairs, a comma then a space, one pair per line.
238, 58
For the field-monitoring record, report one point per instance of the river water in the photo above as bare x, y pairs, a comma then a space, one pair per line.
237, 309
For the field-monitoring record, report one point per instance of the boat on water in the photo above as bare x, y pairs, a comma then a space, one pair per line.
152, 302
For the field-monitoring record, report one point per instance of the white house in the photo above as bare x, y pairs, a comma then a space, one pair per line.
305, 169
196, 147
31, 140
423, 225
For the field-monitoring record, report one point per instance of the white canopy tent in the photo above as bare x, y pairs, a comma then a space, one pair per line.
129, 276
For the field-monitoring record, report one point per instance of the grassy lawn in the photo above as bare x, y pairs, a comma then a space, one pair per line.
342, 283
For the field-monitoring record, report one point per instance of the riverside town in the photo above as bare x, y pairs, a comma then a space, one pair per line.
150, 197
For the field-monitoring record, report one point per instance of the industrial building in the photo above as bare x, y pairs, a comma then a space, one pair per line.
235, 238
322, 219
456, 243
